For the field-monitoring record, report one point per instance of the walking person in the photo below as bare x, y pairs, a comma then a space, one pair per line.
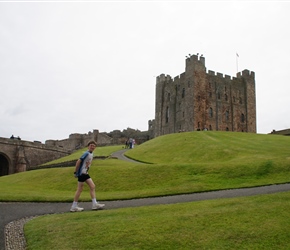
81, 172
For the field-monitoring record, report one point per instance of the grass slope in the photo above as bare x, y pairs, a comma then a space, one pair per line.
182, 163
213, 147
258, 222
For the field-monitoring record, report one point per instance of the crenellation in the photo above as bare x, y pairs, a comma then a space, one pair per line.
211, 73
248, 73
202, 60
194, 58
182, 76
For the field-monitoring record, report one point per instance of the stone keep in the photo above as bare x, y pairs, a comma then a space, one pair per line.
198, 100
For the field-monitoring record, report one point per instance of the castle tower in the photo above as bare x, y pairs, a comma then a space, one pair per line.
197, 100
250, 99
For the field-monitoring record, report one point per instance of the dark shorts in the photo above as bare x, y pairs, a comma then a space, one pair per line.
83, 177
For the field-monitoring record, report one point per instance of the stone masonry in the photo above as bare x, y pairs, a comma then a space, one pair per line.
198, 100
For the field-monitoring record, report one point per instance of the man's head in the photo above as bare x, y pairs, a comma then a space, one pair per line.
92, 145
92, 142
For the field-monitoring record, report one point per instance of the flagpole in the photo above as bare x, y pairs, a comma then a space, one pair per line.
237, 62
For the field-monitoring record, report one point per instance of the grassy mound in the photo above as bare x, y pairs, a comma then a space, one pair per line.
180, 163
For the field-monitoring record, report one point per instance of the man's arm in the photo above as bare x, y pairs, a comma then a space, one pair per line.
78, 163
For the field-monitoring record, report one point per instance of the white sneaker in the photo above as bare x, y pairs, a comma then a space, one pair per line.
76, 209
98, 206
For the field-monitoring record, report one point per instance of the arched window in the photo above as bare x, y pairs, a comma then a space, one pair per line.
227, 115
242, 118
167, 115
210, 112
198, 126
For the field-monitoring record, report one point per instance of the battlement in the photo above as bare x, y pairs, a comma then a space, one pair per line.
163, 78
246, 73
212, 73
195, 59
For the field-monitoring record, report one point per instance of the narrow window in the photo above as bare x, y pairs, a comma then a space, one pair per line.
227, 115
226, 97
210, 112
183, 92
167, 115
243, 118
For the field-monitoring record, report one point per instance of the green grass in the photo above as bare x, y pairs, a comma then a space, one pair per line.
99, 151
213, 148
179, 163
183, 163
258, 222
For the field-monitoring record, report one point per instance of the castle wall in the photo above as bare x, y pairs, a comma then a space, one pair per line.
197, 99
18, 155
75, 141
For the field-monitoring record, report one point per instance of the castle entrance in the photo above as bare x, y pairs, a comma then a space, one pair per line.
4, 165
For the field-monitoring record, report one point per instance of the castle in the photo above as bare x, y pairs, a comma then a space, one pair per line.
200, 100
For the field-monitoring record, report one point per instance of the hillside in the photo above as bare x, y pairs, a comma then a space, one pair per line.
179, 163
212, 147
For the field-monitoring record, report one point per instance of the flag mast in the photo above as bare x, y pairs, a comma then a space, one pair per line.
237, 56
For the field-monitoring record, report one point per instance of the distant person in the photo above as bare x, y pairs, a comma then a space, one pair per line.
12, 137
130, 143
81, 172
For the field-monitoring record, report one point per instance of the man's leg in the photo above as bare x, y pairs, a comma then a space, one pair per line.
92, 187
75, 207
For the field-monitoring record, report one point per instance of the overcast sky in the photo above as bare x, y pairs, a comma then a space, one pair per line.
71, 67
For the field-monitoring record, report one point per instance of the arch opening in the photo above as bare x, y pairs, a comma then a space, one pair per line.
4, 165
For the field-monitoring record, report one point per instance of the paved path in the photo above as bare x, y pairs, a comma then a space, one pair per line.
10, 211
120, 155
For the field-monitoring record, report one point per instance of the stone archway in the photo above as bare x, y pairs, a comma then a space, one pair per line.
4, 165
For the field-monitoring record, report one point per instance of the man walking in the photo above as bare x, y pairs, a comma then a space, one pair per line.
81, 172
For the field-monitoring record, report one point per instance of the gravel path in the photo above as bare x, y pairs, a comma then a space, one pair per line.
14, 215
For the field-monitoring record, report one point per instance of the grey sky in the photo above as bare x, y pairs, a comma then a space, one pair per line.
71, 67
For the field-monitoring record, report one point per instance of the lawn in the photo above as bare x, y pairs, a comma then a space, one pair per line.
174, 164
257, 222
179, 163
